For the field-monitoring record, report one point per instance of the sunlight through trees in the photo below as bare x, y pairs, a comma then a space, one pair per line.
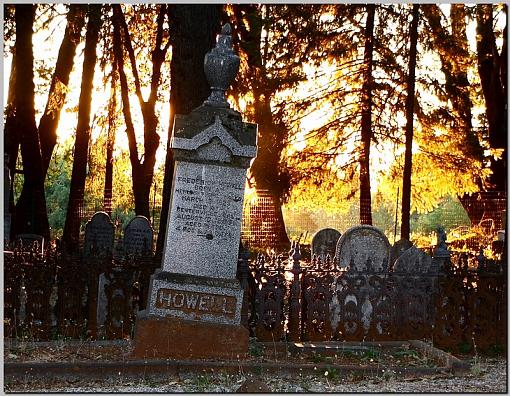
346, 98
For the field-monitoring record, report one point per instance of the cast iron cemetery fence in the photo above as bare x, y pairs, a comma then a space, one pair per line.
457, 303
453, 305
49, 295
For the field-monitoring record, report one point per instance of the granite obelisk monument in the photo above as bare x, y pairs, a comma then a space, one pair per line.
194, 304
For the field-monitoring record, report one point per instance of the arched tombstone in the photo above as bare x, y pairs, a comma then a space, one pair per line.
365, 251
361, 246
413, 261
398, 249
97, 251
324, 243
138, 237
99, 235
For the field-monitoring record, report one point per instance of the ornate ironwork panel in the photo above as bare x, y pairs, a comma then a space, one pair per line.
72, 299
317, 294
120, 315
13, 275
40, 279
270, 296
350, 291
382, 295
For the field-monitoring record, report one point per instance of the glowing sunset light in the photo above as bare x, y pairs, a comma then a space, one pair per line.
303, 78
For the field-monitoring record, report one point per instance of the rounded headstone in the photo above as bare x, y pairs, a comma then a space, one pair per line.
413, 261
398, 248
360, 244
138, 236
99, 234
324, 242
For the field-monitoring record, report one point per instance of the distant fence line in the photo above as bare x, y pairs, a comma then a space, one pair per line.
259, 225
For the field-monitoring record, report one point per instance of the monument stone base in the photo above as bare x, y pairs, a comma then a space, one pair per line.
190, 316
175, 338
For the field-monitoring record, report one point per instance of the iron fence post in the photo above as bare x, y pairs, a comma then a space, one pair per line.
295, 256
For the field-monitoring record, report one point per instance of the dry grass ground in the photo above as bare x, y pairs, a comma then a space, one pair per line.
487, 375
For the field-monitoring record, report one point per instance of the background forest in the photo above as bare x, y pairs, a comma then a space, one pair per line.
389, 114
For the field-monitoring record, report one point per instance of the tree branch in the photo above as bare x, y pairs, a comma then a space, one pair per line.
120, 19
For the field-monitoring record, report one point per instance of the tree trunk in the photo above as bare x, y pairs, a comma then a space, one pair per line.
76, 193
193, 30
460, 99
408, 161
492, 71
30, 214
59, 83
11, 138
366, 120
110, 144
454, 55
265, 169
126, 105
142, 170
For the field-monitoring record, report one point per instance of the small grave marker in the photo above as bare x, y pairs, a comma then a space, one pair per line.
413, 261
99, 235
359, 245
324, 243
398, 248
138, 236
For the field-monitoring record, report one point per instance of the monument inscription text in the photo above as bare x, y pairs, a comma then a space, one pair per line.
196, 302
203, 206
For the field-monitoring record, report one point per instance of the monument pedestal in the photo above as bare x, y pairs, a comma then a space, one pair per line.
191, 316
175, 338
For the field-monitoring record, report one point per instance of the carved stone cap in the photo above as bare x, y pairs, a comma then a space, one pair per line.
214, 143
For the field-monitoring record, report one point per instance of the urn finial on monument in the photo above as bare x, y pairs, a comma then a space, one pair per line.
221, 65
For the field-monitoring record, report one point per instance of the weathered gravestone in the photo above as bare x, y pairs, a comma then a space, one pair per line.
361, 246
413, 261
98, 245
138, 237
398, 248
99, 235
364, 251
194, 307
324, 243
